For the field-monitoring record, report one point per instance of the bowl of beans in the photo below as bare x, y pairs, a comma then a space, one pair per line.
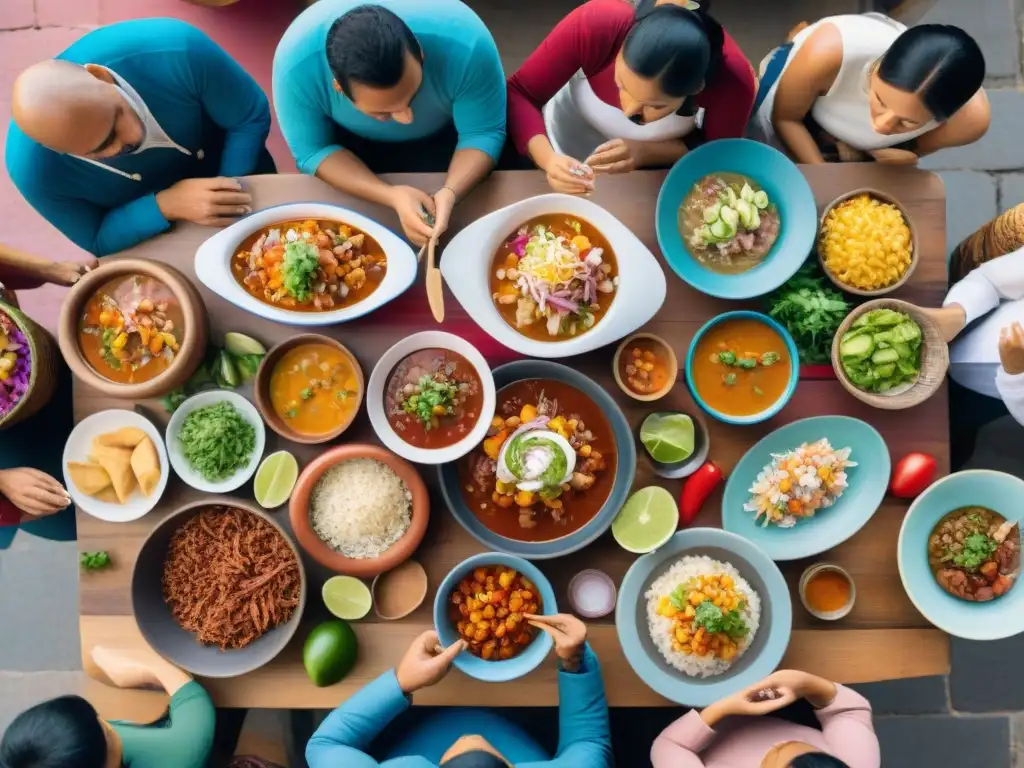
483, 600
645, 367
867, 243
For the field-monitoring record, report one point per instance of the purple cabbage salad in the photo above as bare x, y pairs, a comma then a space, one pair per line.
15, 364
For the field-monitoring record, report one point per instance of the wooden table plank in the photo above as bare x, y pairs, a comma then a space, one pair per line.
870, 555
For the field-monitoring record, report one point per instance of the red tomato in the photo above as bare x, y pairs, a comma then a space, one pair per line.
912, 474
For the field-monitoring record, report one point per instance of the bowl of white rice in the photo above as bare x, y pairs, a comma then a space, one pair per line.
704, 616
359, 510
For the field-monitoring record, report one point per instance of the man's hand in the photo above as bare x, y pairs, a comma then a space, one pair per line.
210, 202
410, 203
33, 491
444, 202
1011, 348
568, 175
617, 156
568, 632
426, 663
893, 156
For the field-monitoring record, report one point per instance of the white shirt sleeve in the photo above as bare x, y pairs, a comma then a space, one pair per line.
1011, 390
982, 290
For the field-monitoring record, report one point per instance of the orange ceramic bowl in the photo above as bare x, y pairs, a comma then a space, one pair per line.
327, 556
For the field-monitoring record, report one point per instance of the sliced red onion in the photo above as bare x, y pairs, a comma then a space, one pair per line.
564, 304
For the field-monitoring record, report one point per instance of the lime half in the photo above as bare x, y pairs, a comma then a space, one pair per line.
347, 597
647, 521
275, 479
668, 437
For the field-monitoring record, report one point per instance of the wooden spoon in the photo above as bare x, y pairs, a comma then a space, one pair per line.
435, 294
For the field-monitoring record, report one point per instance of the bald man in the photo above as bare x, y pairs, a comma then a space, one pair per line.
135, 126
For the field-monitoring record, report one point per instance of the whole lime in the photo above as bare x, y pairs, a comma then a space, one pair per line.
330, 652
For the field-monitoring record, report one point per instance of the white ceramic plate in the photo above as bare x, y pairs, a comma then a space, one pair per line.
378, 380
213, 263
466, 266
181, 464
79, 446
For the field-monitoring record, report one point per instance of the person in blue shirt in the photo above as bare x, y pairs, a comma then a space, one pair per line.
469, 738
133, 127
398, 86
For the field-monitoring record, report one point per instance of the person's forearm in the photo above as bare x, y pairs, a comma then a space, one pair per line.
170, 678
714, 714
346, 172
658, 153
540, 151
467, 169
14, 260
799, 141
819, 692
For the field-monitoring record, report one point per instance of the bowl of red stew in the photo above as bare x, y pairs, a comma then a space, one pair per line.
554, 467
430, 397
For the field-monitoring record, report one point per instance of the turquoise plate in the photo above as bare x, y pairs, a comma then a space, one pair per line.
829, 527
759, 660
993, 620
787, 189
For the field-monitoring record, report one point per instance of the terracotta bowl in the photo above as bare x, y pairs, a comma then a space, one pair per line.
319, 550
914, 249
671, 361
934, 359
193, 347
262, 388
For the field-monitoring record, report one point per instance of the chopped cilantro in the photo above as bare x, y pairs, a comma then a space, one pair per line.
977, 549
728, 357
770, 358
711, 617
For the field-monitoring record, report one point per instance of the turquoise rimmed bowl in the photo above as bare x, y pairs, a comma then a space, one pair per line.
993, 620
794, 367
787, 189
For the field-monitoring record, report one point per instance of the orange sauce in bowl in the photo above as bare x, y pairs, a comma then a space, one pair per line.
314, 389
827, 591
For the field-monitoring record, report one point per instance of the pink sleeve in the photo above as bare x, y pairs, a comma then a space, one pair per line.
679, 745
587, 39
846, 726
729, 98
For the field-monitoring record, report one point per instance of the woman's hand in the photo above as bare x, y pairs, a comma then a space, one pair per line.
568, 175
426, 662
68, 272
125, 668
1011, 348
893, 156
817, 690
410, 203
617, 156
568, 632
33, 491
751, 702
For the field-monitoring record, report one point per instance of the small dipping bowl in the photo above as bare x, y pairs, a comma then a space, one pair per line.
689, 465
592, 594
400, 591
663, 350
827, 568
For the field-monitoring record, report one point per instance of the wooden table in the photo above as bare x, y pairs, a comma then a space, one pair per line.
884, 637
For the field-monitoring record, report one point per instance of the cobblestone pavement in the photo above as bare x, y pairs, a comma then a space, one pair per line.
970, 719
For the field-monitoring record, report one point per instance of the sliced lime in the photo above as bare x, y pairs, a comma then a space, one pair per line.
275, 479
347, 597
238, 344
668, 437
648, 520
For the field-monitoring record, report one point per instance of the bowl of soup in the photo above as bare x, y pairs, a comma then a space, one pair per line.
742, 367
309, 388
306, 264
133, 329
553, 275
431, 397
735, 218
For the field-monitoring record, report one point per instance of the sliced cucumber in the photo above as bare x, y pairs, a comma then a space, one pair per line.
856, 348
884, 356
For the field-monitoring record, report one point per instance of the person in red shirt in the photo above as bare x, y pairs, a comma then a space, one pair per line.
616, 87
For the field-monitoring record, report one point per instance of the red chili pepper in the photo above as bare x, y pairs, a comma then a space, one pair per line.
696, 489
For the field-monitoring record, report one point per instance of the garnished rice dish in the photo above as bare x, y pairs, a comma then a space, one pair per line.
799, 482
702, 615
360, 508
15, 365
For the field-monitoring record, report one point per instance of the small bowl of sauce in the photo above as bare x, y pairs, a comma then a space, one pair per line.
645, 367
400, 591
827, 591
592, 594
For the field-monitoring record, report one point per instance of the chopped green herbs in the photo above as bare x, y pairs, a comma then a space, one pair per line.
431, 397
770, 358
678, 597
301, 261
217, 441
811, 311
727, 357
713, 619
977, 549
93, 561
306, 393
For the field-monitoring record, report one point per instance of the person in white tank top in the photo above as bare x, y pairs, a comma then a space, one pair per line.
864, 86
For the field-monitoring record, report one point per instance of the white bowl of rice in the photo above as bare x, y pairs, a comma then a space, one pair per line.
359, 510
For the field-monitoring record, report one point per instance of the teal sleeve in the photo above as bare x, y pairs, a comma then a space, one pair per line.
584, 733
100, 231
183, 740
341, 739
233, 100
479, 106
307, 125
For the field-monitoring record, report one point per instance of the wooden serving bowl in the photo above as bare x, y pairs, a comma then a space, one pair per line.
323, 553
261, 388
193, 346
670, 361
934, 358
914, 249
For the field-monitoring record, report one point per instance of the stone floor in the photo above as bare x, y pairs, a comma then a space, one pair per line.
968, 719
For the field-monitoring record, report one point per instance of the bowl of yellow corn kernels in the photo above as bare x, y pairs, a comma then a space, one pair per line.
867, 243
